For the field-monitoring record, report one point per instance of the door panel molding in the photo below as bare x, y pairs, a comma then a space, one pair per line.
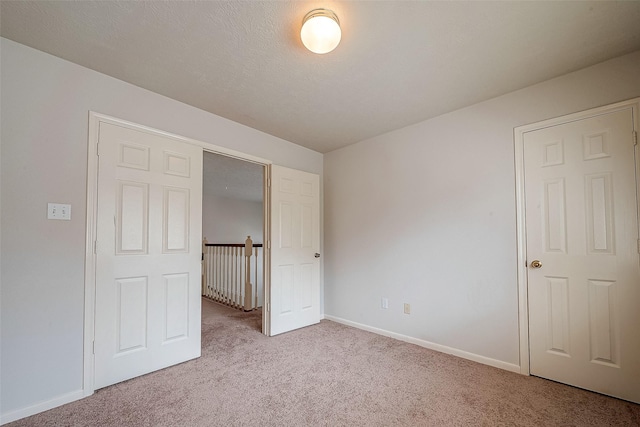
595, 146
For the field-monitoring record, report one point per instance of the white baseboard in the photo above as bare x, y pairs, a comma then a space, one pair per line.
41, 407
430, 345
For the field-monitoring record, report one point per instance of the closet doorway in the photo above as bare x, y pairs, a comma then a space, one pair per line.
233, 211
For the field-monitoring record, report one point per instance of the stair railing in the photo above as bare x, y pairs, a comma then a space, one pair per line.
227, 272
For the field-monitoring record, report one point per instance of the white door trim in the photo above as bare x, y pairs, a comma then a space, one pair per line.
519, 132
91, 225
266, 252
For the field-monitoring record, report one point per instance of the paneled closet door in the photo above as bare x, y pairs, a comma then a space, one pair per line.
582, 252
295, 246
148, 253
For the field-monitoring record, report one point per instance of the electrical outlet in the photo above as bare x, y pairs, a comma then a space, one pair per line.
407, 308
384, 303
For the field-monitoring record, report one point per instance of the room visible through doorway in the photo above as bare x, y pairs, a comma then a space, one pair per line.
232, 212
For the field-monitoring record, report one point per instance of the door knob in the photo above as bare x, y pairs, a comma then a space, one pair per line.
317, 255
536, 264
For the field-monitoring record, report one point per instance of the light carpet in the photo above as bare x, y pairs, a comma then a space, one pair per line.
331, 375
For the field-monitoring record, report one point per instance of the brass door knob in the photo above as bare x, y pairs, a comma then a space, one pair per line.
536, 264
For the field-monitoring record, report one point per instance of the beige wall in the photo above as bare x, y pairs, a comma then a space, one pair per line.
426, 215
227, 220
45, 104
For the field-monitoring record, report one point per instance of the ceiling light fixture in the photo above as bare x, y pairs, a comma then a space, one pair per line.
320, 31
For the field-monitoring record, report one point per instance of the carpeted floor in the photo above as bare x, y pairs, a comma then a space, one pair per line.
331, 375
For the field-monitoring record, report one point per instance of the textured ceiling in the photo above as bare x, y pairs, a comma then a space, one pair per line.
232, 178
399, 62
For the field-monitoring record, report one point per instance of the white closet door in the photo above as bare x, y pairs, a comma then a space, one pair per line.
582, 227
148, 253
295, 263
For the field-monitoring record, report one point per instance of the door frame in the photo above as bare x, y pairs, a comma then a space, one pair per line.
521, 226
95, 119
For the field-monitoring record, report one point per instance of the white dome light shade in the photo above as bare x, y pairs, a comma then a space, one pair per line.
320, 31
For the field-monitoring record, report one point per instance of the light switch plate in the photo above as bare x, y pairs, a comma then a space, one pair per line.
59, 211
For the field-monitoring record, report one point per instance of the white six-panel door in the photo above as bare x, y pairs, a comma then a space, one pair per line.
295, 236
582, 225
147, 311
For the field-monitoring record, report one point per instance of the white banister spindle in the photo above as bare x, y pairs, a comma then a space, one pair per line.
219, 272
233, 279
203, 266
237, 268
211, 271
255, 284
240, 282
248, 250
209, 259
214, 273
225, 278
231, 259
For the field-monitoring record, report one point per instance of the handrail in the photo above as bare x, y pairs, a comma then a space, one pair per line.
233, 245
